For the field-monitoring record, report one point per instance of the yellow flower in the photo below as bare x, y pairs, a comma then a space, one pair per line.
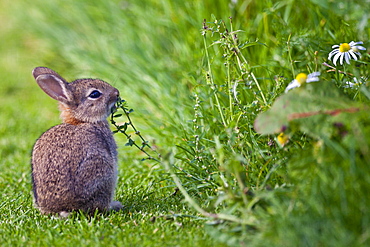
282, 139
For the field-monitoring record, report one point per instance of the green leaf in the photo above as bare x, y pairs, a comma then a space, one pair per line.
309, 108
130, 142
123, 127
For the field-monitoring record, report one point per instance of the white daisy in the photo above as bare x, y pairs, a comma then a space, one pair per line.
302, 78
346, 51
356, 82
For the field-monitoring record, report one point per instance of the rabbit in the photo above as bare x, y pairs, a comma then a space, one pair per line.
74, 164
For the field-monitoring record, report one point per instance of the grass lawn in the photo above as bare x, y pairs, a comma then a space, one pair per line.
243, 163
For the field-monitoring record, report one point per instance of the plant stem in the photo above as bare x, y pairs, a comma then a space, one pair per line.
196, 206
132, 142
290, 55
212, 82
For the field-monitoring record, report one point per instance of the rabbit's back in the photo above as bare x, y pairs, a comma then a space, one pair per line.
74, 168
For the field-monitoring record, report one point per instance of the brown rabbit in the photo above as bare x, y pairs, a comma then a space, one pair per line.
74, 163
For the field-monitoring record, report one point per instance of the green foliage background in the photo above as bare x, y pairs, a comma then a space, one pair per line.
197, 81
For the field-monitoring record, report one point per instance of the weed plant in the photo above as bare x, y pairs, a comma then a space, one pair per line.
256, 166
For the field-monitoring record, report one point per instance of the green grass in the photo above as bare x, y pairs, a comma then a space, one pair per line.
196, 91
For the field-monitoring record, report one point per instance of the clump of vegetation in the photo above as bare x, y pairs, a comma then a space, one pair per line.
266, 172
267, 185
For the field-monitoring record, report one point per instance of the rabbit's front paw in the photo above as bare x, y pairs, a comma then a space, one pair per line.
64, 214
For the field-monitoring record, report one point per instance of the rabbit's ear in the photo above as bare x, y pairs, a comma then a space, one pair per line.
55, 87
43, 70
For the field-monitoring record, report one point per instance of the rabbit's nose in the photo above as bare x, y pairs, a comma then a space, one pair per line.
116, 92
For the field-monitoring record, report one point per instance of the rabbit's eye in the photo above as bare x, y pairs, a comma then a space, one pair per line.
95, 94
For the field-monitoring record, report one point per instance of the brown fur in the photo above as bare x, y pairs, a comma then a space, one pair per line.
67, 116
74, 163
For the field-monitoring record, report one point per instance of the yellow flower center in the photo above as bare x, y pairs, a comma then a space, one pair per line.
344, 47
301, 78
282, 139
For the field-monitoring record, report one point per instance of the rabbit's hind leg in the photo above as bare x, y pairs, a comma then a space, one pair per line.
116, 206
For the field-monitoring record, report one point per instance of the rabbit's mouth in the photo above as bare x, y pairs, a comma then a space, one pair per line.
114, 100
113, 107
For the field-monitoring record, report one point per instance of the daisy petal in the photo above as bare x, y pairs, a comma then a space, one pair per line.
347, 57
292, 85
358, 54
315, 78
335, 59
341, 58
353, 54
361, 48
333, 53
315, 74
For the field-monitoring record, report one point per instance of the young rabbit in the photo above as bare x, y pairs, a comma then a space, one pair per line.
74, 163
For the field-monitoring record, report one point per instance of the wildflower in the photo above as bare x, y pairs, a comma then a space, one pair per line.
355, 84
346, 51
302, 78
282, 139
